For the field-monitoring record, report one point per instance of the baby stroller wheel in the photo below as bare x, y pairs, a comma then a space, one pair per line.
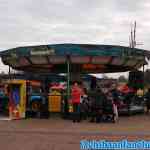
113, 121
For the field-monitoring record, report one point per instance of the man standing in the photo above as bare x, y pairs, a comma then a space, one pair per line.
76, 93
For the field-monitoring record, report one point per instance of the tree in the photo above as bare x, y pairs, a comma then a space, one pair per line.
122, 78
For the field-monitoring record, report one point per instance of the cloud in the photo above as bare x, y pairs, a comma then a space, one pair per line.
31, 22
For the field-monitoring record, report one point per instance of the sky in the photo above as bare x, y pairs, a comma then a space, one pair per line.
33, 22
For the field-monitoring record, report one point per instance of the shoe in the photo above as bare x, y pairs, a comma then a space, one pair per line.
91, 121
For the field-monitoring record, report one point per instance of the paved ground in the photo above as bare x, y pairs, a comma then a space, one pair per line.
58, 134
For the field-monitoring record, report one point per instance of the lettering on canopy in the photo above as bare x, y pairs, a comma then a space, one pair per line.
41, 50
92, 67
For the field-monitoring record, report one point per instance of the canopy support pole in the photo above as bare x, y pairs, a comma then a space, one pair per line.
9, 73
143, 79
68, 78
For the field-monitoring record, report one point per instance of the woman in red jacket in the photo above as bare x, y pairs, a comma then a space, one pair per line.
76, 93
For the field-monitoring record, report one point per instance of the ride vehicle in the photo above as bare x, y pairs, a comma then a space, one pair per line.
36, 100
129, 102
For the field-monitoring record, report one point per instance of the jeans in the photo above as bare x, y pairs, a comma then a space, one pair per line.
76, 112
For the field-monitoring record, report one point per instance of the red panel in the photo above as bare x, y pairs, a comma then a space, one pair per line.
117, 61
100, 60
57, 59
92, 66
80, 59
44, 66
24, 62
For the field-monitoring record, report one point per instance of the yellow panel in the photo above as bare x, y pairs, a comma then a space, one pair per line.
22, 105
16, 81
55, 102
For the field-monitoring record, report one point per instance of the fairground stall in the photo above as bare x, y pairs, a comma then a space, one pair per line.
21, 98
74, 59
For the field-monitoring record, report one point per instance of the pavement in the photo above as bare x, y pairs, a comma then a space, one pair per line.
58, 134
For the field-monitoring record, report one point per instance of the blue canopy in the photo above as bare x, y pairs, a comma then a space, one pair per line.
86, 58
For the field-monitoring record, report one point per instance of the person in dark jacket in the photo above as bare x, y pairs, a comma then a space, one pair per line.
147, 96
97, 98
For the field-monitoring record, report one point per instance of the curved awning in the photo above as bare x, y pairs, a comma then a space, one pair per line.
85, 58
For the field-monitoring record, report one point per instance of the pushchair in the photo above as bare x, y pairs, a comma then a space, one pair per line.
95, 111
84, 106
108, 112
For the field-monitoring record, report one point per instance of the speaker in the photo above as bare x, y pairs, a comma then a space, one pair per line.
136, 79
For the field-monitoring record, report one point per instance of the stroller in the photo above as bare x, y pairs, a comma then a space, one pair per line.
84, 107
108, 111
96, 101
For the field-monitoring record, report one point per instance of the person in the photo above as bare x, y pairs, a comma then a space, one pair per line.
147, 96
128, 100
139, 96
76, 93
115, 97
97, 98
84, 105
108, 110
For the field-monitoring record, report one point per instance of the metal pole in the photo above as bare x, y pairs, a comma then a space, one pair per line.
9, 73
68, 78
143, 79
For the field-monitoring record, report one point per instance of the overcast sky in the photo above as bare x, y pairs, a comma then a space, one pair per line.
31, 22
